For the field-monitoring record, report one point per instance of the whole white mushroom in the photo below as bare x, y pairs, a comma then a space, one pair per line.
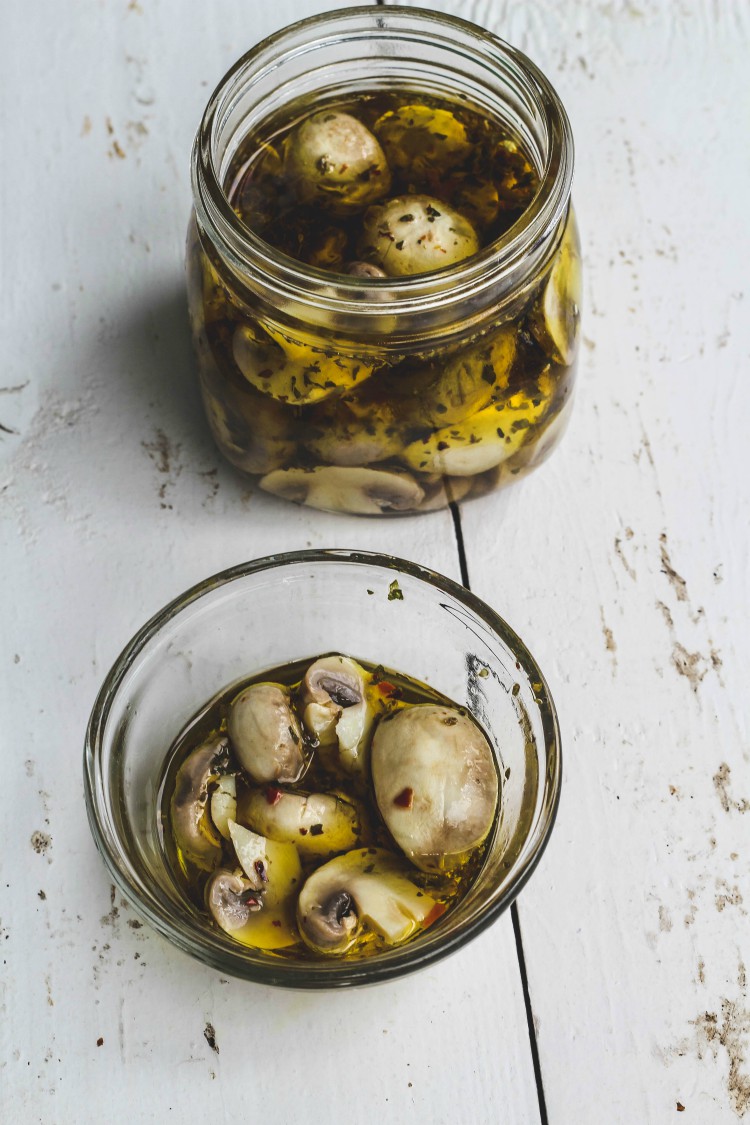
413, 234
331, 158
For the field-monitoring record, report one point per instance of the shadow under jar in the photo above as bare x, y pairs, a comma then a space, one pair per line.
338, 166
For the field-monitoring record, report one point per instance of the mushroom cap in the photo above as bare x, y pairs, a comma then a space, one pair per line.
266, 735
435, 783
419, 140
320, 824
366, 885
193, 832
334, 160
413, 234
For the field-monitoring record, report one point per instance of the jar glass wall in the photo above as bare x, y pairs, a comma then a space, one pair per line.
386, 394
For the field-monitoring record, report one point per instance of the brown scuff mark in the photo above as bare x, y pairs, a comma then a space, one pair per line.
114, 913
688, 664
692, 910
701, 971
209, 1032
665, 920
676, 581
48, 986
721, 785
609, 638
166, 457
731, 1033
620, 554
666, 614
86, 126
727, 896
41, 842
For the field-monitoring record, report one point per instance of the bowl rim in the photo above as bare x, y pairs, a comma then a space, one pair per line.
310, 975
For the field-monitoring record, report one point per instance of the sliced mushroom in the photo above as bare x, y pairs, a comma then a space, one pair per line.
224, 804
256, 906
333, 160
367, 885
294, 371
448, 490
266, 735
337, 709
435, 783
556, 321
414, 234
470, 379
355, 433
330, 488
419, 140
320, 824
193, 832
484, 439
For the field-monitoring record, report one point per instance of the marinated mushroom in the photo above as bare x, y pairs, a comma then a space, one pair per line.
435, 783
193, 831
556, 320
419, 140
293, 371
224, 804
320, 824
266, 735
367, 885
256, 905
469, 380
231, 899
485, 439
337, 709
331, 488
334, 160
364, 269
413, 234
355, 434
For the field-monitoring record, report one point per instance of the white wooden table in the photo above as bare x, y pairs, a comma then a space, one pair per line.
624, 563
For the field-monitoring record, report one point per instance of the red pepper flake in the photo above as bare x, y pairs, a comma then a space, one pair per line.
276, 922
385, 687
437, 911
405, 799
260, 870
273, 795
303, 831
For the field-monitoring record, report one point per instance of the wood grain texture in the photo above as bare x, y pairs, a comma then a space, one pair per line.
625, 563
112, 501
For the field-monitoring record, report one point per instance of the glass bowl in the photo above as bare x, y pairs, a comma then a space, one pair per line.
284, 608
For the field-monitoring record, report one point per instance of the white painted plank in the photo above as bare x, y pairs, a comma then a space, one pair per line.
625, 564
113, 500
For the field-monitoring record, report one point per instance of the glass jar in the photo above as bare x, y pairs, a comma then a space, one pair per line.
385, 395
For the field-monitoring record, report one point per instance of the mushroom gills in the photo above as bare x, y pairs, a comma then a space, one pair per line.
366, 886
266, 735
436, 784
272, 877
319, 824
338, 709
194, 835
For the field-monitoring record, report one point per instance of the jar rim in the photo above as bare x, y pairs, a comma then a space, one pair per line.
491, 269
